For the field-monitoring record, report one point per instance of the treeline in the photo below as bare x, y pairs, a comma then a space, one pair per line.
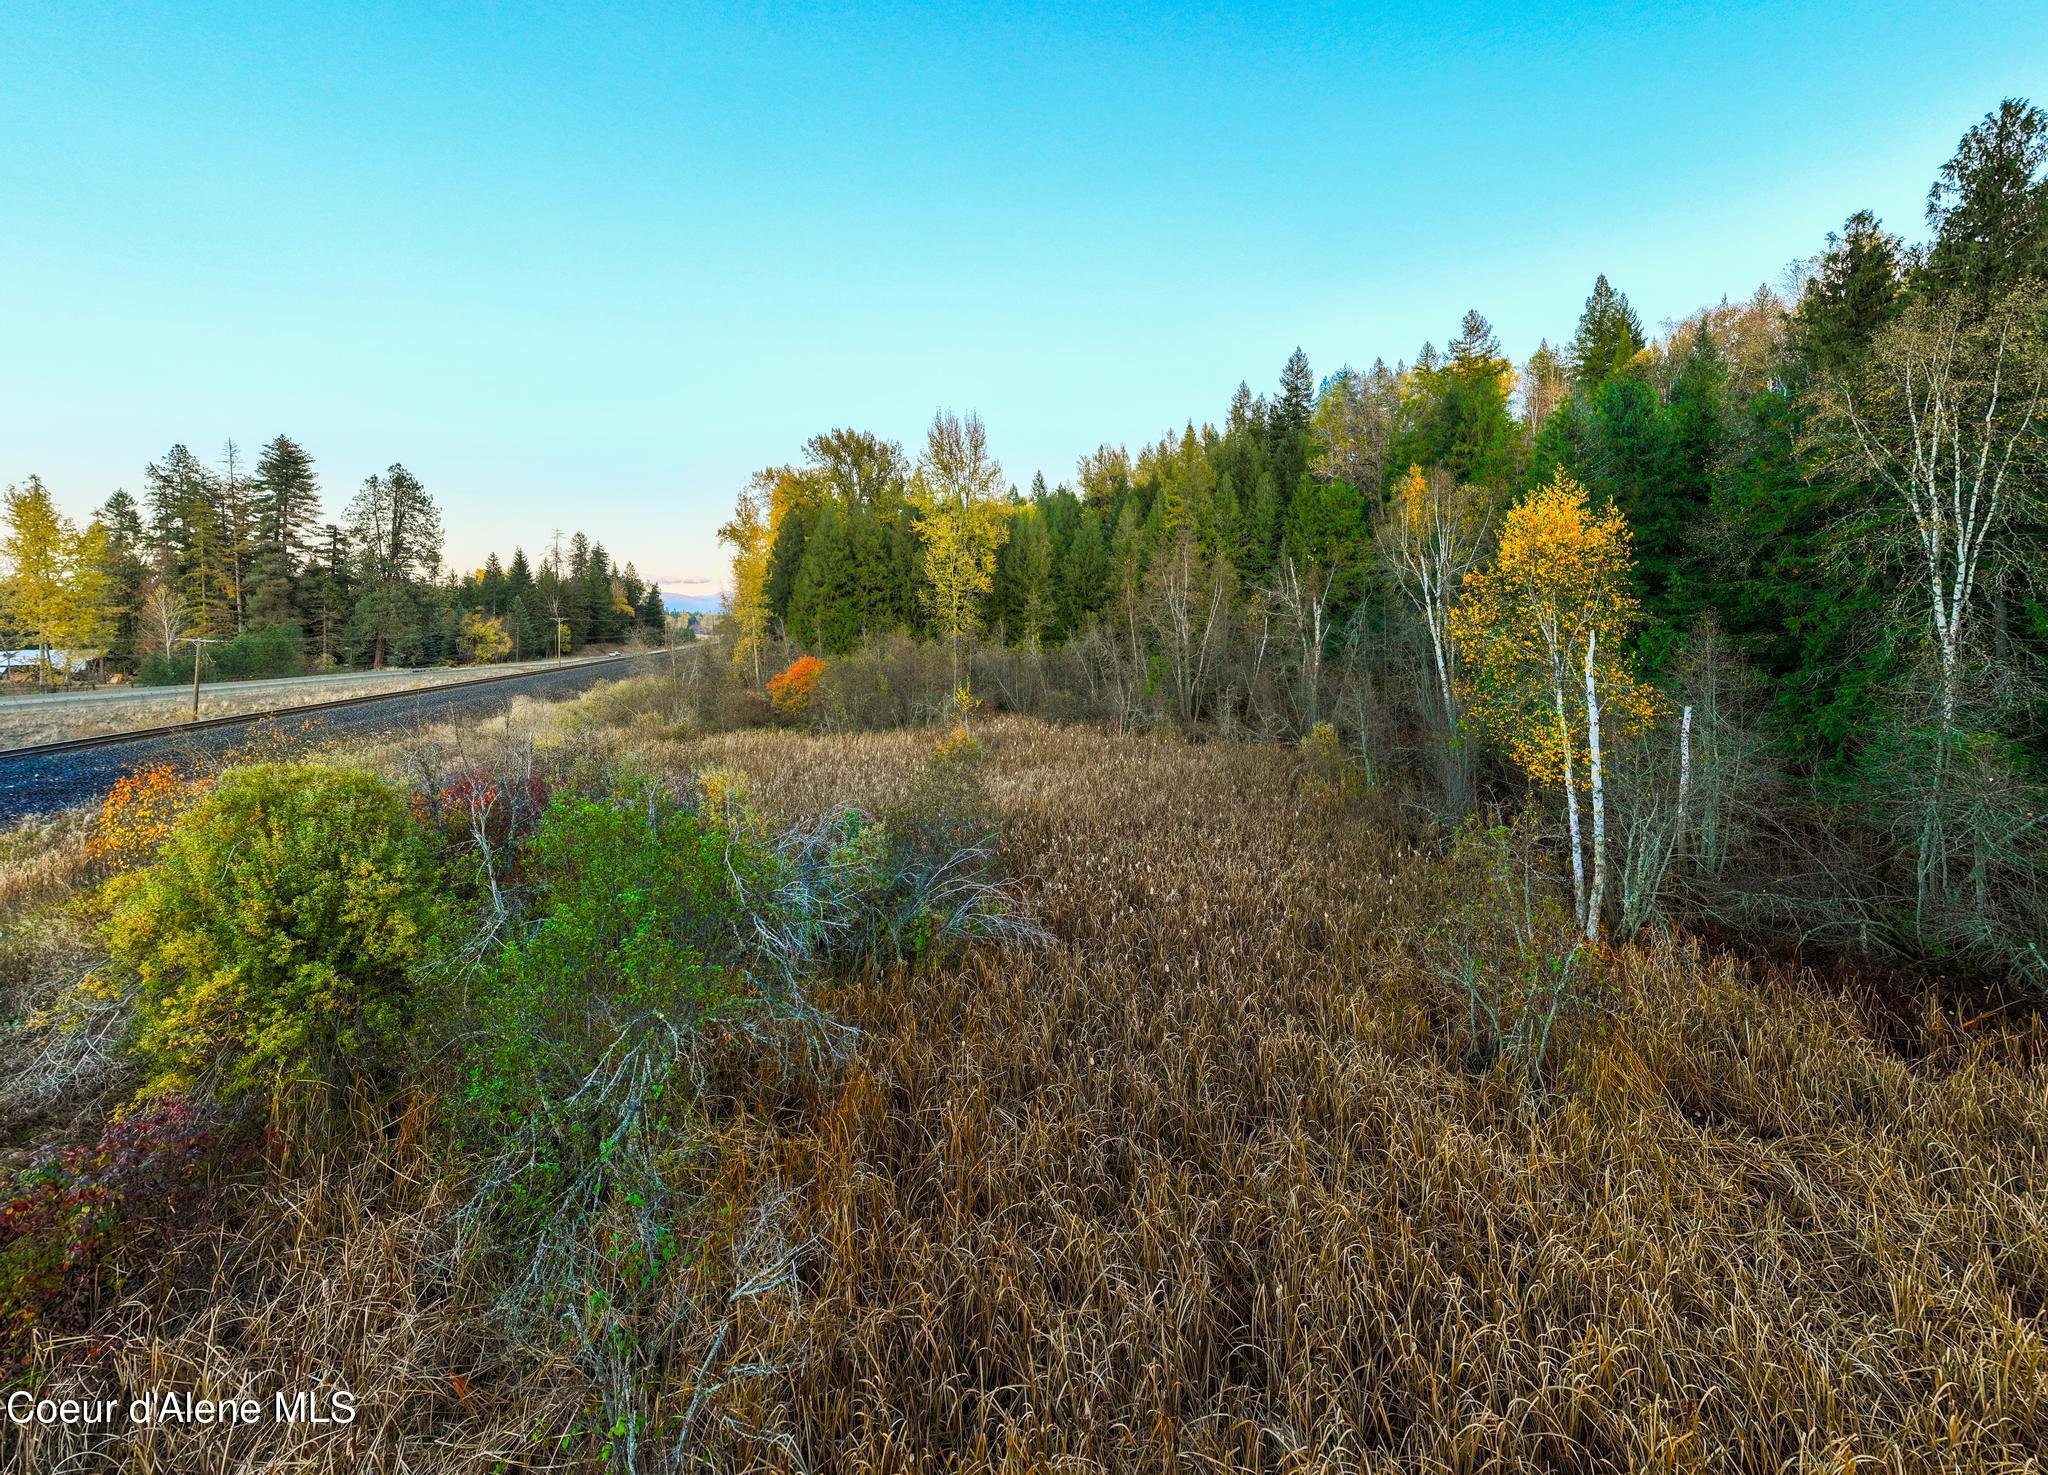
1830, 517
237, 557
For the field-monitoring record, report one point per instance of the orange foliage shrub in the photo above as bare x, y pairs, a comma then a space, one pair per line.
137, 815
790, 692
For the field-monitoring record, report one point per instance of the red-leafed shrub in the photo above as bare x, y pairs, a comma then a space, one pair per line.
477, 809
71, 1223
790, 692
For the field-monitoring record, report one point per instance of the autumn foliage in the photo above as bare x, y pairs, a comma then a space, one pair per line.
790, 691
1559, 587
1545, 633
138, 812
67, 1221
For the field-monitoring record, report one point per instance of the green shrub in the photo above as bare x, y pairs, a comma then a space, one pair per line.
1327, 767
158, 669
1510, 952
275, 938
638, 934
259, 651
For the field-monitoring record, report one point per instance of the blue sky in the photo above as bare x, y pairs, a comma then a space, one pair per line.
586, 267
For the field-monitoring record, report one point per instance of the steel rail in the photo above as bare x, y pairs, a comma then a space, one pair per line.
236, 719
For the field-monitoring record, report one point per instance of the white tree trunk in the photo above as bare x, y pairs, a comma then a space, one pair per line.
1571, 802
1597, 781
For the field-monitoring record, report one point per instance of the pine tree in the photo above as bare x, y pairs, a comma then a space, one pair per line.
238, 533
1989, 205
1469, 429
652, 614
824, 606
599, 597
1247, 414
1853, 292
123, 569
396, 530
1676, 506
1287, 426
287, 515
187, 543
1297, 397
573, 592
1609, 336
332, 592
1025, 577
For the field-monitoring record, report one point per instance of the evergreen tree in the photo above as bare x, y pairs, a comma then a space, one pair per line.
123, 569
396, 530
1297, 397
332, 592
1469, 429
598, 596
187, 542
1778, 585
1260, 524
1853, 292
1676, 506
573, 593
786, 559
824, 605
1024, 577
1247, 414
287, 514
1609, 336
1081, 576
238, 530
652, 614
1989, 205
518, 610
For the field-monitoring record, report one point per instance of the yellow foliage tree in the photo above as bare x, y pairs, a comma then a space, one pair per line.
751, 537
1543, 633
52, 584
483, 638
1429, 536
962, 521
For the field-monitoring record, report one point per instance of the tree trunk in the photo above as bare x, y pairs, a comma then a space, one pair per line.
1597, 780
1571, 802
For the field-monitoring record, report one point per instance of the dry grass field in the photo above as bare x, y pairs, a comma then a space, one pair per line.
1206, 1183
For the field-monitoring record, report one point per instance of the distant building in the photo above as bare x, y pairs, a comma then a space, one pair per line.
17, 665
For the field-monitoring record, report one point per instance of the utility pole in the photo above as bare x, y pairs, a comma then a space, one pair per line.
197, 643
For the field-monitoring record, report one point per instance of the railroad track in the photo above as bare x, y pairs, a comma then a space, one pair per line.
241, 719
44, 777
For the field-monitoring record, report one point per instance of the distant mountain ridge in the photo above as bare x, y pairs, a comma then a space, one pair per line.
695, 603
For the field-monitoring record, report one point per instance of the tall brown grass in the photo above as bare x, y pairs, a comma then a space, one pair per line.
1209, 1183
